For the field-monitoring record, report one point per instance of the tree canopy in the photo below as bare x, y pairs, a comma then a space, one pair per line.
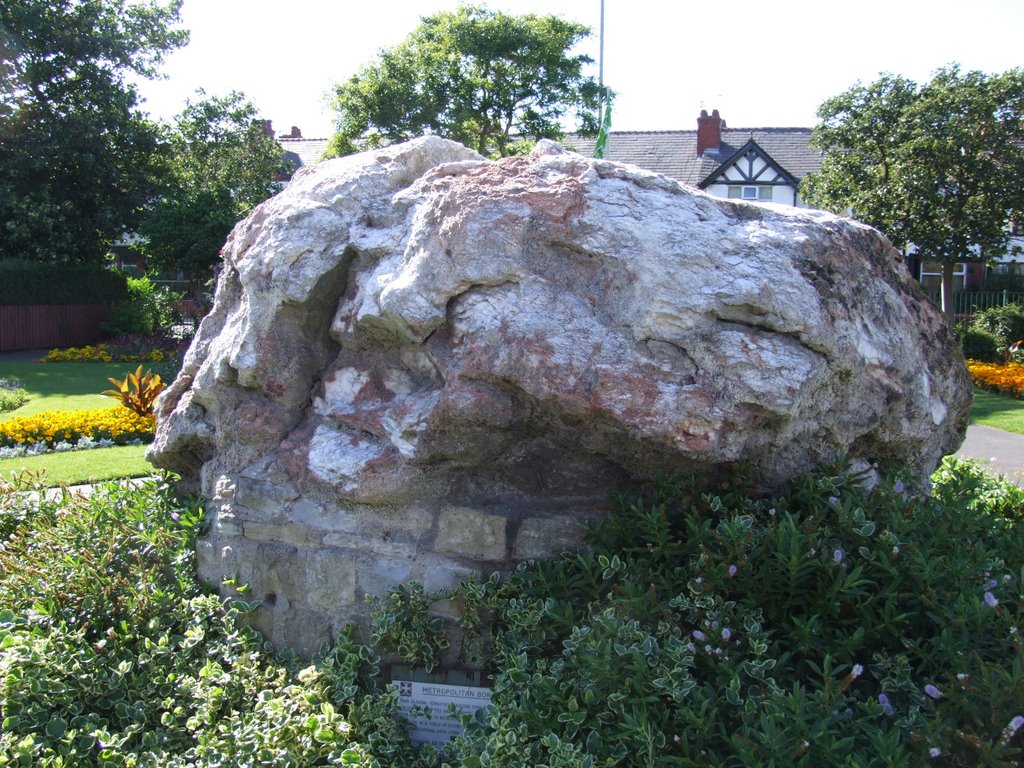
78, 161
475, 76
222, 163
937, 167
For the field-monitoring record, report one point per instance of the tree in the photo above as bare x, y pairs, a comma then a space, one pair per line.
77, 159
222, 163
938, 167
477, 77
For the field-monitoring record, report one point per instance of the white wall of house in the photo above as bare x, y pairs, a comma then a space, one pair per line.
754, 180
782, 193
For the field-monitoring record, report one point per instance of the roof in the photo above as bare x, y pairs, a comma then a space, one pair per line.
674, 153
298, 153
718, 176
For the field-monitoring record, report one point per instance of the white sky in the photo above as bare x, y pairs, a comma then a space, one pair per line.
759, 62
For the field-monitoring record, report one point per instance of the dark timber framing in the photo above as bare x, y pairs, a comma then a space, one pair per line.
748, 154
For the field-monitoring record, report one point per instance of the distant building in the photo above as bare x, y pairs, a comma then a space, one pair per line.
298, 151
756, 164
753, 164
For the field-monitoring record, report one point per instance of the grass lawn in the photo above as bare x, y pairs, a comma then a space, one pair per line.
78, 467
72, 387
997, 411
63, 386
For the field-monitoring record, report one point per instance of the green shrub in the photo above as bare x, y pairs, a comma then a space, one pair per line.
1006, 323
111, 653
12, 395
829, 626
980, 345
146, 309
35, 282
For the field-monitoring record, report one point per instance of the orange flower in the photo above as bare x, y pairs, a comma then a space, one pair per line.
1005, 379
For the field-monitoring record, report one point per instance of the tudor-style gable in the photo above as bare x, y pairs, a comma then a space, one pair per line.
751, 173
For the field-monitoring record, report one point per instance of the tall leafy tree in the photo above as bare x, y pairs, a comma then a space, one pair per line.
222, 163
488, 80
938, 167
77, 158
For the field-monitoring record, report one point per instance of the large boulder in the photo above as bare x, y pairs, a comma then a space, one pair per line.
422, 364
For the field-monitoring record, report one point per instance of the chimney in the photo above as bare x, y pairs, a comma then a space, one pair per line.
709, 131
268, 128
295, 133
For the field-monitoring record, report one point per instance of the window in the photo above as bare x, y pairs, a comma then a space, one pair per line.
931, 276
751, 193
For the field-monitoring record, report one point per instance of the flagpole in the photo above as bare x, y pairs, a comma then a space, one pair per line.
600, 54
604, 112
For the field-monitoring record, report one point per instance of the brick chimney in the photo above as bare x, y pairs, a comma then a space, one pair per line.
295, 134
268, 128
709, 131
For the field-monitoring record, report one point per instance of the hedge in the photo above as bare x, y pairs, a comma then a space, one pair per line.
36, 282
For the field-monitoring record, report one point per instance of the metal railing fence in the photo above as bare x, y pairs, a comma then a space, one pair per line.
971, 302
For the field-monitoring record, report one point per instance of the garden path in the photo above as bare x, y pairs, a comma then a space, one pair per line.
999, 451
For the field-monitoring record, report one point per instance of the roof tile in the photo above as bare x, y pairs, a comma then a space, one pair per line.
674, 153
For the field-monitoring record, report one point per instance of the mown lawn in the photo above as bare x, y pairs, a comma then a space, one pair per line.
79, 467
72, 387
997, 411
62, 386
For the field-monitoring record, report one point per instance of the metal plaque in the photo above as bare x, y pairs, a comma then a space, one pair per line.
425, 707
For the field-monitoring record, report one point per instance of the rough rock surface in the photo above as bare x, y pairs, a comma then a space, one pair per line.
423, 364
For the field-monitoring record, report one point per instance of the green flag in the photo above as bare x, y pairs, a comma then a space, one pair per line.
606, 127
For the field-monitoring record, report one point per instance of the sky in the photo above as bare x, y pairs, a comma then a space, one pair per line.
761, 63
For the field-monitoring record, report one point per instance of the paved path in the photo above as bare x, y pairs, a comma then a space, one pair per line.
82, 491
24, 354
1002, 453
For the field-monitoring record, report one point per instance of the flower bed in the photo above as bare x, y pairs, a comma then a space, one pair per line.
1005, 379
70, 430
103, 354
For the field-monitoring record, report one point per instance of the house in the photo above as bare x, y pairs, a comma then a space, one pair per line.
761, 164
298, 152
754, 164
757, 164
764, 165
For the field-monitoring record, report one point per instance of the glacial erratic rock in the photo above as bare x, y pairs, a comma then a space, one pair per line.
423, 364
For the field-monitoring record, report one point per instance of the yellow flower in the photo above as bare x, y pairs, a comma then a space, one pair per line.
117, 422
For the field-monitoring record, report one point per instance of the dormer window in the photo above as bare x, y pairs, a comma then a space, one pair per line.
760, 193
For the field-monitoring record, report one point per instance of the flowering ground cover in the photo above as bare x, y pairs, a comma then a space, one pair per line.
1004, 378
122, 349
69, 430
102, 354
